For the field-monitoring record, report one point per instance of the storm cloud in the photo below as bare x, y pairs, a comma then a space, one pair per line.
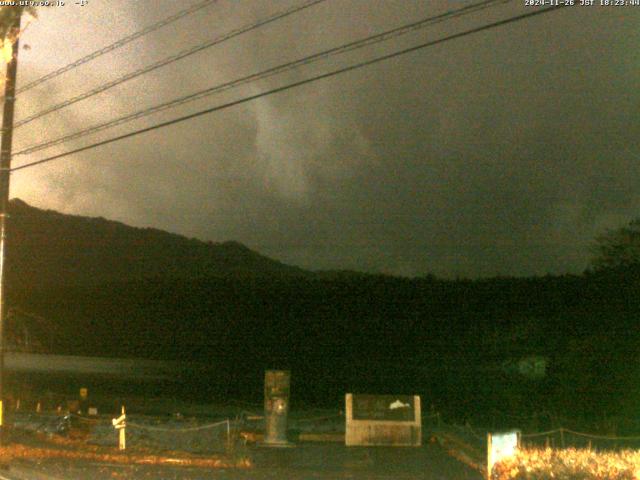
500, 153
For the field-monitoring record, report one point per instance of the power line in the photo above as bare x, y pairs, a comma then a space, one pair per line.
294, 85
169, 60
117, 44
371, 40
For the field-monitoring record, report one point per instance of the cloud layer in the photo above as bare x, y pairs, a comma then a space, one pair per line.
503, 153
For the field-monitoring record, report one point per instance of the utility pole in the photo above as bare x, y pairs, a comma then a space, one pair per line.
5, 172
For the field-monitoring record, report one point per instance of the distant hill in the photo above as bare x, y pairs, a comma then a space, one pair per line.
46, 247
89, 286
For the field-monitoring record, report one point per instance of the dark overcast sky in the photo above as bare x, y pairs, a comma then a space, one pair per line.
501, 153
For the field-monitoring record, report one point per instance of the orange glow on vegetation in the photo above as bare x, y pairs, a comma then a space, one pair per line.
15, 451
42, 447
543, 464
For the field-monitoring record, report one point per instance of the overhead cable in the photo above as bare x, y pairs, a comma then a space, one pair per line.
167, 60
348, 47
293, 85
117, 44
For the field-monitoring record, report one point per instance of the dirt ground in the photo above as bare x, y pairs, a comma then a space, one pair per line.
303, 461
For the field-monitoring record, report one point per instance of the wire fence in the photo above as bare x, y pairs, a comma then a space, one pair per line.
172, 435
473, 440
188, 435
564, 438
199, 435
320, 422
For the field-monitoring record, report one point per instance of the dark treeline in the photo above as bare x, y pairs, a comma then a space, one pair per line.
91, 286
447, 340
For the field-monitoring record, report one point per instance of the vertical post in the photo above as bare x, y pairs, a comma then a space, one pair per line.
489, 456
83, 402
562, 437
122, 438
5, 171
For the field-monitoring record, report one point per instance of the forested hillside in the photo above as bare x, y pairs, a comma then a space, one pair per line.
108, 289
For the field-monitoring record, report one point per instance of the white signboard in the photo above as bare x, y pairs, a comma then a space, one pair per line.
385, 420
501, 445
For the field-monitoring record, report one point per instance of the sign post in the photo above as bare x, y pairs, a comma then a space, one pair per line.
501, 445
120, 424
